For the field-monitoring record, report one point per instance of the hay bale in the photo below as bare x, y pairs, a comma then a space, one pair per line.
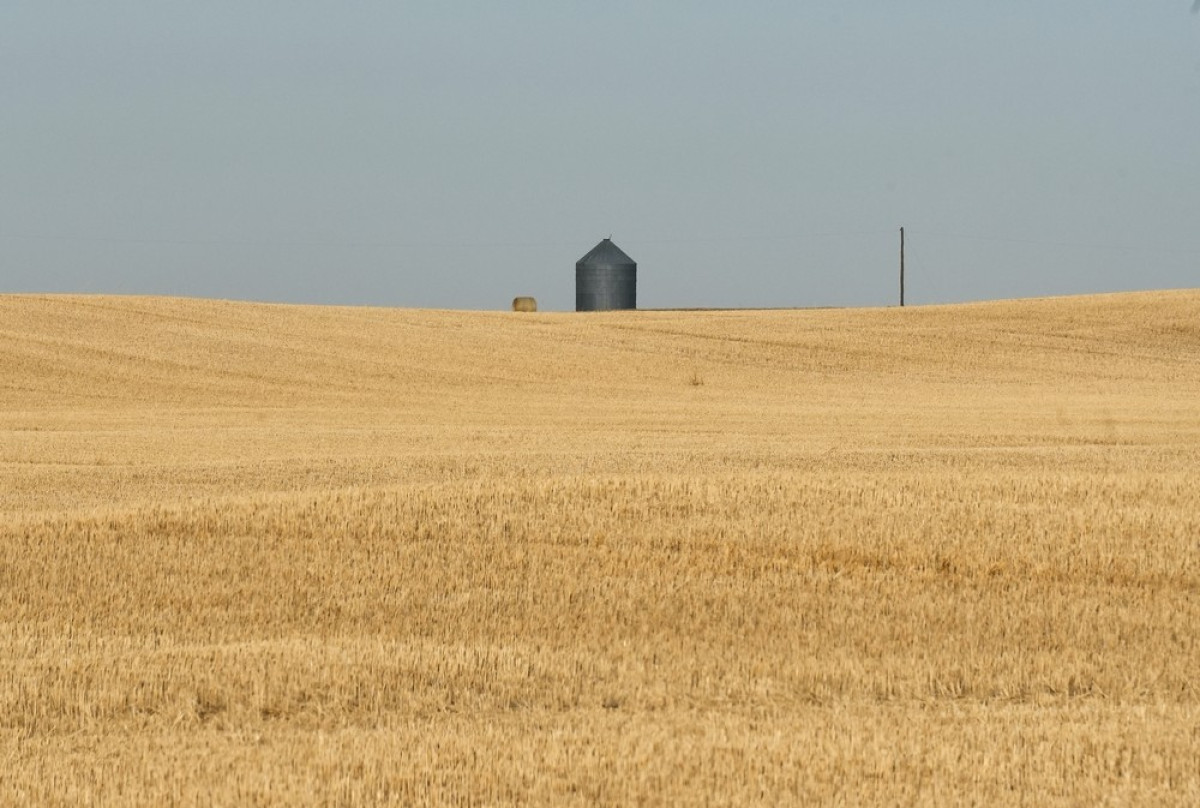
524, 304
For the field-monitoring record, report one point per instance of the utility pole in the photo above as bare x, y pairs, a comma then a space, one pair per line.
901, 266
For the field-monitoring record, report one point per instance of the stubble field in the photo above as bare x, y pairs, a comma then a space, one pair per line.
280, 555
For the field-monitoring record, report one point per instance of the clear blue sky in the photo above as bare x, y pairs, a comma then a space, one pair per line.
457, 154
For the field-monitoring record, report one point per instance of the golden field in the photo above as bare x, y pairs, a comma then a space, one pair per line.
276, 555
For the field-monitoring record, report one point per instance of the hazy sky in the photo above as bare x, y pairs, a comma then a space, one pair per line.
457, 154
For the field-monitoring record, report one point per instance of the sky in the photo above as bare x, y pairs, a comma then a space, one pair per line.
455, 155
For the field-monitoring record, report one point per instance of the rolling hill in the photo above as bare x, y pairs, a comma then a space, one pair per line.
267, 554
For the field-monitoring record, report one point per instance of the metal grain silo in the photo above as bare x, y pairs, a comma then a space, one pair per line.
605, 279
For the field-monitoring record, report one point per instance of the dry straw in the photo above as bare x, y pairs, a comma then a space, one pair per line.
284, 555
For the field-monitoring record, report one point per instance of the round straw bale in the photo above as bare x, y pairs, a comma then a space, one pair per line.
524, 304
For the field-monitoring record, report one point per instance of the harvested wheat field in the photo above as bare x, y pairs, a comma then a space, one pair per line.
280, 555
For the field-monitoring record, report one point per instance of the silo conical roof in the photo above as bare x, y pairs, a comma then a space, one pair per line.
606, 254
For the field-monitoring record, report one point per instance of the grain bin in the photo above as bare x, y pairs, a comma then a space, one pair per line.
605, 279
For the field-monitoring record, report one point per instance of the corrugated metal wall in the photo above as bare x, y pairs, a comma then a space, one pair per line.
605, 279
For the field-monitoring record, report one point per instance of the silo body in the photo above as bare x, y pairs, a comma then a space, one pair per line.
605, 279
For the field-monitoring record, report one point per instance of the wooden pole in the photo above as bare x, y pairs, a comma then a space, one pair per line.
901, 266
